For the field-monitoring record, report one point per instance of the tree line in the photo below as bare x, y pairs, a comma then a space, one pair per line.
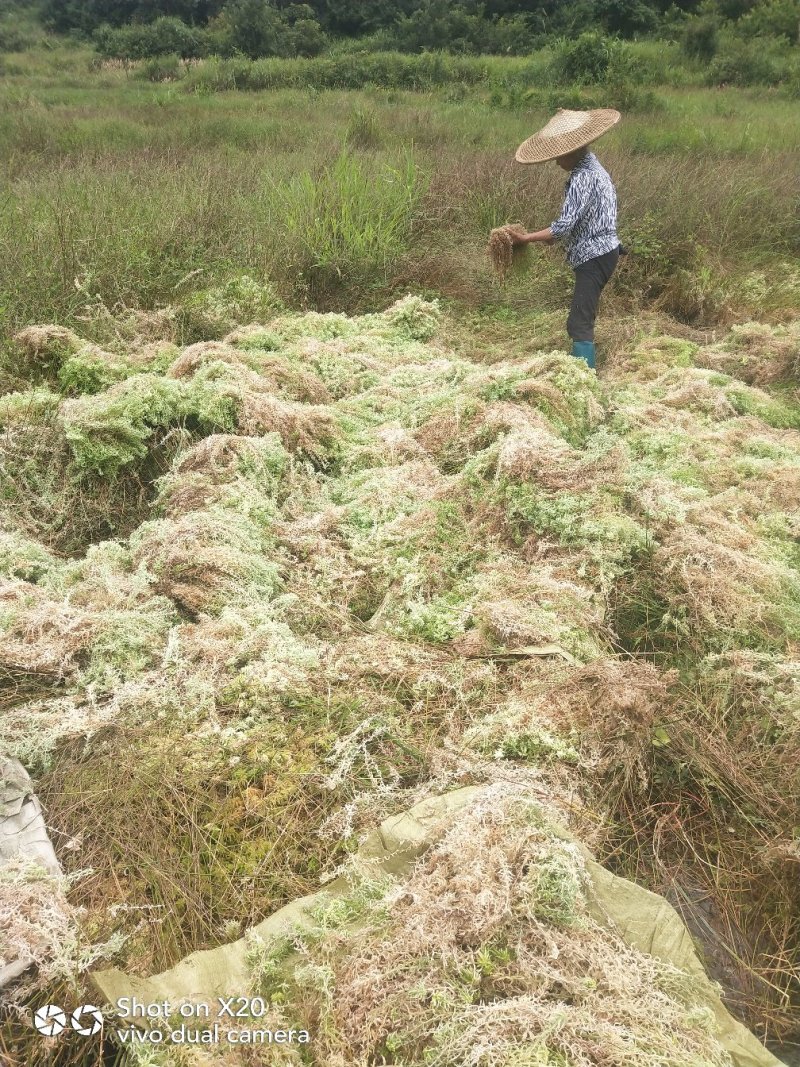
255, 28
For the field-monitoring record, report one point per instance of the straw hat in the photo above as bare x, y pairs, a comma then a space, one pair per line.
566, 132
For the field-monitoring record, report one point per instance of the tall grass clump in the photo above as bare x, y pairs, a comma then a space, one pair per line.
343, 223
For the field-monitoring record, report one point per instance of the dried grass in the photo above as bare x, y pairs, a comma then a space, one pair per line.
720, 587
46, 343
721, 796
204, 560
615, 706
757, 354
42, 637
302, 428
502, 250
36, 922
539, 456
202, 353
231, 470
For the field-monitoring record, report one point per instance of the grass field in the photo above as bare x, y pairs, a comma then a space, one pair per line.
141, 193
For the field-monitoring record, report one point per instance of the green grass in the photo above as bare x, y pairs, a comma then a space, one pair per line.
122, 191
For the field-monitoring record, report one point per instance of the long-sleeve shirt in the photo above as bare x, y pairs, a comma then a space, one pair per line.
588, 219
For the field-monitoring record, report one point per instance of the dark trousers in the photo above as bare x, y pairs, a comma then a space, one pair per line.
591, 278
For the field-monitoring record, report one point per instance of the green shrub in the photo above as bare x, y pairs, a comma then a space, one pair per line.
455, 28
14, 38
165, 36
626, 17
306, 38
508, 36
738, 61
700, 37
592, 59
586, 59
256, 29
773, 18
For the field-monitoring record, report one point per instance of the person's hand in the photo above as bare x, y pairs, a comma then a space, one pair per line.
518, 237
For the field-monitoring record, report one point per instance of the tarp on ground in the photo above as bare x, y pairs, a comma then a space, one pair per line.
643, 919
23, 836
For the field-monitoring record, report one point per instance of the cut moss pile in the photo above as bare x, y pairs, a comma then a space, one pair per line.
325, 566
490, 953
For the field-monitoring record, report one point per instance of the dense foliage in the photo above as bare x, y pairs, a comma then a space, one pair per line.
189, 28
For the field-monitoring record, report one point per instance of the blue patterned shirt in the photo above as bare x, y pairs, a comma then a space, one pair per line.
588, 219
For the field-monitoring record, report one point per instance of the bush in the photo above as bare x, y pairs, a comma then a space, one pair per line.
773, 18
162, 69
13, 38
700, 38
252, 28
165, 36
256, 29
454, 28
305, 38
592, 59
510, 36
762, 61
626, 17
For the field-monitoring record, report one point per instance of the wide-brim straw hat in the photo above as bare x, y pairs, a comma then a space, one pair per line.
566, 132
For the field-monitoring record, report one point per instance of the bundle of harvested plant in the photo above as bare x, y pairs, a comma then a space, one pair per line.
205, 560
45, 347
720, 592
40, 635
244, 472
219, 454
102, 627
37, 925
202, 353
614, 705
22, 557
302, 427
756, 353
108, 431
503, 251
32, 730
538, 456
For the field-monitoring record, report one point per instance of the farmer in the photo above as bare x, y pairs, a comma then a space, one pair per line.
588, 219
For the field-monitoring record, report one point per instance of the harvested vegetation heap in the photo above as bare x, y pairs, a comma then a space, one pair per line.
261, 592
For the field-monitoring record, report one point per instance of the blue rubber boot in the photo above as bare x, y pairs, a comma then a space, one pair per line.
584, 350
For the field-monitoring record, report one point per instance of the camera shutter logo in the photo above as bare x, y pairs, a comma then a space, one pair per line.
50, 1020
87, 1020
